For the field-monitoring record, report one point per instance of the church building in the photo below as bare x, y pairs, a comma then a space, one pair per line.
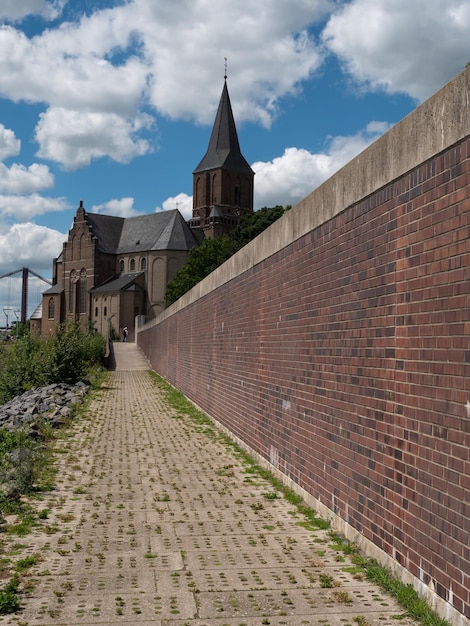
223, 180
113, 269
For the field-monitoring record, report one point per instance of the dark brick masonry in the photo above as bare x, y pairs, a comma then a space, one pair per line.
344, 360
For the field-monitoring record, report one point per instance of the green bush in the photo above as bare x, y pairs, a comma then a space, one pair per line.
35, 362
71, 352
21, 367
8, 597
17, 455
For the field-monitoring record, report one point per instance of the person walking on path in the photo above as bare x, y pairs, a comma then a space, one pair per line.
125, 332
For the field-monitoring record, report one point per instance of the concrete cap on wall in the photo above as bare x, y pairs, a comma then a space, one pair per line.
437, 124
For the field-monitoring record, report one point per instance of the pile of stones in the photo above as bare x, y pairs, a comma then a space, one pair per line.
53, 403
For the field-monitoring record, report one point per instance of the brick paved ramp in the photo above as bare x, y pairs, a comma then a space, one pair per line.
127, 356
160, 522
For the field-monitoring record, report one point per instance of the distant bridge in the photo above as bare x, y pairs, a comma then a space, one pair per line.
25, 272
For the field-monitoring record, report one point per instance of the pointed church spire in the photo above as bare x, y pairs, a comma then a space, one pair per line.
224, 149
223, 180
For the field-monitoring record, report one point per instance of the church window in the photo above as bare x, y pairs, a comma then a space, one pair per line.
208, 190
81, 246
72, 287
96, 311
105, 311
213, 194
121, 265
82, 291
237, 196
50, 309
132, 265
143, 264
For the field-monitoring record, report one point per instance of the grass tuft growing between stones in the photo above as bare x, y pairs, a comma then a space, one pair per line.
27, 472
9, 602
415, 606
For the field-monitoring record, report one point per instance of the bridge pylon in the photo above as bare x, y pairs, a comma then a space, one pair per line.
25, 272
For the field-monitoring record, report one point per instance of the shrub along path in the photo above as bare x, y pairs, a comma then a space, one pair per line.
162, 521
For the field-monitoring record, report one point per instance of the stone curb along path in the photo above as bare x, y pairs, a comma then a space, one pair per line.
162, 522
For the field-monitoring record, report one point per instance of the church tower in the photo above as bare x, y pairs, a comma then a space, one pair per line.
223, 180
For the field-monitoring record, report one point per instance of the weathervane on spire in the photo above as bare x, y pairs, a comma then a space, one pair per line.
225, 69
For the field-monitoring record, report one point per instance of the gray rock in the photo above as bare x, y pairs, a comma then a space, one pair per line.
52, 402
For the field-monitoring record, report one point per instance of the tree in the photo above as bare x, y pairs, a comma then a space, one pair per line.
252, 225
213, 252
201, 262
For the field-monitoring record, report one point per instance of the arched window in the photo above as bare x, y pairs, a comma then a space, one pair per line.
143, 263
72, 287
105, 311
51, 309
132, 265
81, 247
207, 199
237, 192
121, 265
83, 291
96, 311
213, 188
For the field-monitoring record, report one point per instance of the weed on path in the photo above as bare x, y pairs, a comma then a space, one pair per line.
158, 517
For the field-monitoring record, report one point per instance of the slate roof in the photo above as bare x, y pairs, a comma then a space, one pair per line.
107, 229
224, 148
119, 283
37, 313
58, 288
165, 230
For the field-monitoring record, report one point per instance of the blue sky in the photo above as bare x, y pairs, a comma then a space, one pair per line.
112, 101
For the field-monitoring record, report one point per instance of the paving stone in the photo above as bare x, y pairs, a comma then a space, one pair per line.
157, 521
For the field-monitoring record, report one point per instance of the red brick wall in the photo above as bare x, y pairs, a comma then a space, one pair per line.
344, 359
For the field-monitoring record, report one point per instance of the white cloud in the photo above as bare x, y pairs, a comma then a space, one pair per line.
26, 207
268, 48
18, 9
26, 245
74, 138
401, 46
182, 202
96, 74
289, 178
114, 58
19, 179
29, 245
9, 144
56, 68
119, 208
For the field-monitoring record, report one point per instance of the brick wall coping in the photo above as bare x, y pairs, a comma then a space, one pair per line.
438, 123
